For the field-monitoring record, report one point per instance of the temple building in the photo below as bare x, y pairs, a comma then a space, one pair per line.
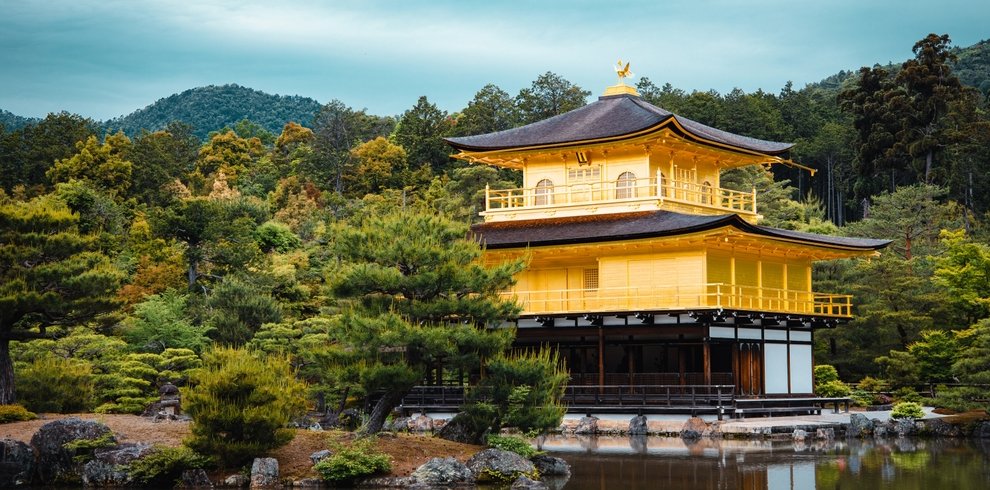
643, 270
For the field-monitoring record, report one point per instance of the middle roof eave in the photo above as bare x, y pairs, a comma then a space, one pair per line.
623, 226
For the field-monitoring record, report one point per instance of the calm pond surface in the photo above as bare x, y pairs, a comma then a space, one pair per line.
640, 462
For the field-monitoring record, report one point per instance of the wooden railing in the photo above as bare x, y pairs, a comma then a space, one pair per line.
713, 295
619, 191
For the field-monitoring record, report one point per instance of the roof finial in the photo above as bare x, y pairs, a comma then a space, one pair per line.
623, 72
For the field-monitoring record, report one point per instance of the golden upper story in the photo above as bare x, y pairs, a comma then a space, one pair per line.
618, 154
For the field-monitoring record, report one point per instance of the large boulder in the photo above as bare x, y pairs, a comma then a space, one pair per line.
981, 430
264, 472
860, 425
551, 466
460, 429
16, 463
108, 468
320, 455
422, 423
195, 479
443, 472
638, 425
55, 461
693, 428
496, 465
587, 425
398, 424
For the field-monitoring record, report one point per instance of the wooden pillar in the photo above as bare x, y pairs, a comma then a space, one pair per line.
680, 363
632, 364
601, 358
759, 282
706, 356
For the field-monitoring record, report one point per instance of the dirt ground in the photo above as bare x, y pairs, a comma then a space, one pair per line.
408, 451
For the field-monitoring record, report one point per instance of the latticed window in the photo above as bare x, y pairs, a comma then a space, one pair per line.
625, 186
544, 193
707, 195
591, 278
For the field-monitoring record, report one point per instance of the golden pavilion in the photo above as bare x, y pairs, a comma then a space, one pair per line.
643, 270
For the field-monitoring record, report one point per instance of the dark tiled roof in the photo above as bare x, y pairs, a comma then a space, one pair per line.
608, 117
623, 226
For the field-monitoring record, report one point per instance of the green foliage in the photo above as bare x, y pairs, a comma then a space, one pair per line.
83, 449
105, 166
832, 389
15, 413
160, 322
130, 383
214, 107
907, 410
525, 388
972, 365
50, 274
240, 405
548, 96
420, 132
513, 444
825, 373
960, 398
238, 307
357, 459
273, 236
164, 465
907, 394
54, 384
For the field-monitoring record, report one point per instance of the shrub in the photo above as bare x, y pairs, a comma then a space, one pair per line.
54, 384
907, 410
825, 373
15, 413
514, 444
83, 449
871, 384
275, 236
960, 399
360, 458
907, 394
165, 465
240, 405
832, 389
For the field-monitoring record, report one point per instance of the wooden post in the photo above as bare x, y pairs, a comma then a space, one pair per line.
706, 356
601, 360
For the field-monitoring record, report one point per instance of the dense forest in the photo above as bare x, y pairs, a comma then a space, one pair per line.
322, 240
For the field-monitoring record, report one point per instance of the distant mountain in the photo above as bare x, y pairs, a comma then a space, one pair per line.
972, 67
11, 121
215, 107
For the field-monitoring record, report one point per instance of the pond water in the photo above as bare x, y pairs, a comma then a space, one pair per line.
641, 462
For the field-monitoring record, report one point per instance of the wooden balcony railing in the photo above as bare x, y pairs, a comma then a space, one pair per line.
631, 190
651, 298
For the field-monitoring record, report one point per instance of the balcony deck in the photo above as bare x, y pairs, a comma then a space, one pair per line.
672, 298
603, 197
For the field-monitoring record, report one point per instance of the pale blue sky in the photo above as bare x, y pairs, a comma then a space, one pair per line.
108, 58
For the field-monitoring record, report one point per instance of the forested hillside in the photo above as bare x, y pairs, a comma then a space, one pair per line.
12, 121
211, 108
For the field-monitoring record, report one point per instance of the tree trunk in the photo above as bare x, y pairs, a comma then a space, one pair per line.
928, 167
6, 374
384, 407
192, 273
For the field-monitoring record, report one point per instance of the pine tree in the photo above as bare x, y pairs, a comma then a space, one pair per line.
50, 274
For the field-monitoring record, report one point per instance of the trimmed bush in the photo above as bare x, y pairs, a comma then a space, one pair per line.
15, 413
360, 458
825, 373
165, 465
833, 389
513, 444
907, 410
54, 384
240, 405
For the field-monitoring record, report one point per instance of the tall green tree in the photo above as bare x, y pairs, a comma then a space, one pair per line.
549, 95
929, 87
50, 275
491, 110
420, 131
418, 298
336, 129
105, 166
159, 159
27, 153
